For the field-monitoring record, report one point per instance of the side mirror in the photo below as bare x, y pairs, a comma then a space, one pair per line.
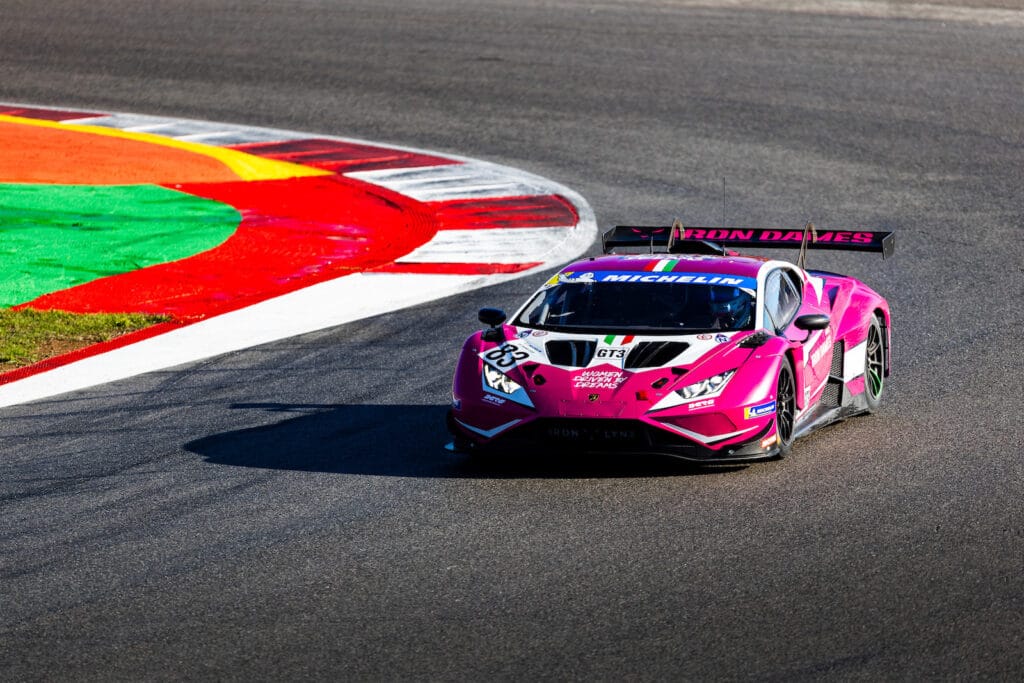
495, 316
812, 321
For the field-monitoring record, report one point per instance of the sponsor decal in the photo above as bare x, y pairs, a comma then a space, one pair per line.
822, 349
704, 337
611, 353
690, 278
496, 400
539, 333
588, 433
573, 277
706, 403
676, 257
719, 234
721, 338
523, 334
760, 410
593, 398
599, 379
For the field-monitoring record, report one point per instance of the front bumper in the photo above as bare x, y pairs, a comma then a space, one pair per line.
611, 435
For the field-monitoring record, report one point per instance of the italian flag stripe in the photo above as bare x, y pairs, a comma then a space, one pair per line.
618, 340
662, 266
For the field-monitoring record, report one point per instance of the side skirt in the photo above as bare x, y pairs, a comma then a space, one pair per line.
822, 415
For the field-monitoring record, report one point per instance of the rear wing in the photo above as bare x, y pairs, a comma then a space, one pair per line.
676, 239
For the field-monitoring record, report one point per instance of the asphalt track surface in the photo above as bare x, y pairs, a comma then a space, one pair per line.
288, 511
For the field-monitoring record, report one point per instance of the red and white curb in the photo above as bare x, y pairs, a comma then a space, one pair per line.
453, 261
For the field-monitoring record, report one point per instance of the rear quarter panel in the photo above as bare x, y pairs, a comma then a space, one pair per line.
853, 304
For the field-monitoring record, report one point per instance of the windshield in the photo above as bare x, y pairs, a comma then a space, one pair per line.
652, 308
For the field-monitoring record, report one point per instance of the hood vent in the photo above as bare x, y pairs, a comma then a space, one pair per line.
574, 353
654, 354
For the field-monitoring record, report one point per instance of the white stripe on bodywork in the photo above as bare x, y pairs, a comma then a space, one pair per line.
701, 437
469, 180
488, 433
853, 361
498, 245
818, 284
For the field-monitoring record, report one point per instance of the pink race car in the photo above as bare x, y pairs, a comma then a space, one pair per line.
694, 351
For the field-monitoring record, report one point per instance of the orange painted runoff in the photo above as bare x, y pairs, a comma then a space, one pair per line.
34, 154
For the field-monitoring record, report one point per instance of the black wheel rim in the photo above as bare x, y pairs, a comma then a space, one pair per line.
784, 407
875, 363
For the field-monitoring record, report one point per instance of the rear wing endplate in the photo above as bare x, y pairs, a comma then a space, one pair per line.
676, 239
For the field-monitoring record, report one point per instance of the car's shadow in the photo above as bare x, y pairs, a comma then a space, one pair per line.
401, 441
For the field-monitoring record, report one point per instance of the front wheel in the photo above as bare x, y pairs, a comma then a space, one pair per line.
874, 366
785, 408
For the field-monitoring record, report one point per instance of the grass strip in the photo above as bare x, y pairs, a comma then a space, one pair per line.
28, 336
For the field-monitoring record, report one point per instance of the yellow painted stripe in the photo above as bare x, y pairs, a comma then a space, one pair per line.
245, 166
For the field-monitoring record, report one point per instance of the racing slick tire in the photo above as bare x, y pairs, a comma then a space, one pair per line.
785, 408
874, 366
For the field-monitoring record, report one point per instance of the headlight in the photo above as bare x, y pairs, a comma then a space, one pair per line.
499, 381
712, 386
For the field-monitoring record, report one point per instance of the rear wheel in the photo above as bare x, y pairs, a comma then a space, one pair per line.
785, 408
874, 366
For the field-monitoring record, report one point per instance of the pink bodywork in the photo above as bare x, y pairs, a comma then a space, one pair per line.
741, 415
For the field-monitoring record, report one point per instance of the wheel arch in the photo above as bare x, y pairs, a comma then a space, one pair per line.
883, 319
798, 378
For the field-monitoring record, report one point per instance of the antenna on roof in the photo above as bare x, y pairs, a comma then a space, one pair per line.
723, 200
809, 231
676, 232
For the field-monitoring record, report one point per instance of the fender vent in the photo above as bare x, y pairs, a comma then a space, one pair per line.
574, 353
837, 360
654, 354
833, 393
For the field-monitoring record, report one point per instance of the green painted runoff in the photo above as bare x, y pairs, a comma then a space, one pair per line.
57, 236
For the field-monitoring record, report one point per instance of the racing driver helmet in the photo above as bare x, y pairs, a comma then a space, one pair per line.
730, 307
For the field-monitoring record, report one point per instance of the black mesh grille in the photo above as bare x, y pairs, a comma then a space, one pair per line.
571, 352
654, 354
833, 390
837, 360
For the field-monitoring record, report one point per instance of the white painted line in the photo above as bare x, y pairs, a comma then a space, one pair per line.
188, 129
470, 180
124, 121
225, 138
875, 9
323, 305
497, 245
